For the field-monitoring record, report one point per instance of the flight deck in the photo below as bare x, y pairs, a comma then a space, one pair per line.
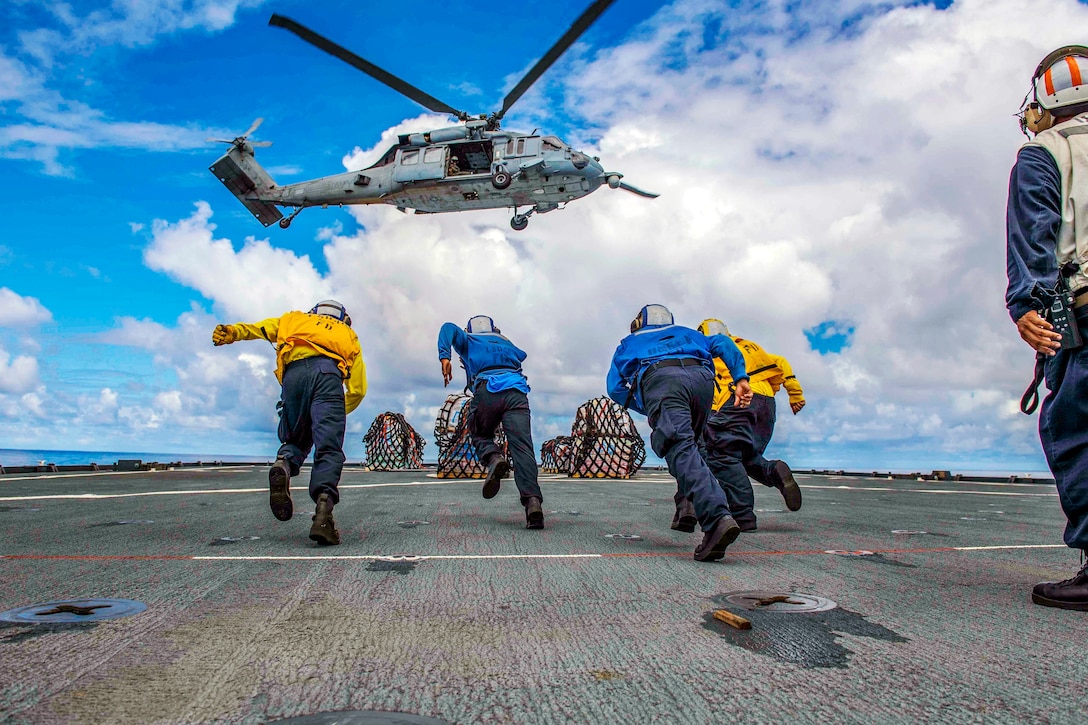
881, 600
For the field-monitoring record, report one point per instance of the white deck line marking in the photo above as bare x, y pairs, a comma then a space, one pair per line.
1012, 546
930, 490
447, 482
95, 496
406, 557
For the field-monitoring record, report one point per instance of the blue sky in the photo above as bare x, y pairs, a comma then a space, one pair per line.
791, 143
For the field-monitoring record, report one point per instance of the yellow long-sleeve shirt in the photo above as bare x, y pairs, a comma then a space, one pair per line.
766, 373
298, 335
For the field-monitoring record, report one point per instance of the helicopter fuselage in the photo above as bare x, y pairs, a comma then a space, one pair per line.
447, 170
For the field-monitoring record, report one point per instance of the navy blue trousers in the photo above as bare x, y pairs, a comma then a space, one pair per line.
677, 402
1063, 430
510, 408
312, 415
733, 444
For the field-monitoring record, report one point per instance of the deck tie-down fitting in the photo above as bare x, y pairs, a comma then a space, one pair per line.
72, 609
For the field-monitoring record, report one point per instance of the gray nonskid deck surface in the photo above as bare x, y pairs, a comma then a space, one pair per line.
520, 626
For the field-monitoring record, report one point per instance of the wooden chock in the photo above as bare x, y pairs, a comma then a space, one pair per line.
733, 620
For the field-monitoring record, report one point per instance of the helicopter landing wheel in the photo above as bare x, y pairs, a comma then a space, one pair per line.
501, 180
285, 222
519, 222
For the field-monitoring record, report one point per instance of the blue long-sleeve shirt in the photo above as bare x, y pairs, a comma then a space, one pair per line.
487, 356
638, 350
1033, 219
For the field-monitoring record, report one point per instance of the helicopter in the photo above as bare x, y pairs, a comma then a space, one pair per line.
476, 165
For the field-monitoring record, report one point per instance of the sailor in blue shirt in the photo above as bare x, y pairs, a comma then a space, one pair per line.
1047, 236
666, 372
499, 395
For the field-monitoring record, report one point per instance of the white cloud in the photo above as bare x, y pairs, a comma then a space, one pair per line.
42, 121
834, 162
19, 311
17, 375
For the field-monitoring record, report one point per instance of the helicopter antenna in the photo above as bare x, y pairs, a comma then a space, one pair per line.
424, 99
580, 25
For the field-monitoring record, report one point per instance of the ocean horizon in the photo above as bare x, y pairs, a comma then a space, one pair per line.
36, 457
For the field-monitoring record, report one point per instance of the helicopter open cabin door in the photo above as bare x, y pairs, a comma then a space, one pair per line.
420, 164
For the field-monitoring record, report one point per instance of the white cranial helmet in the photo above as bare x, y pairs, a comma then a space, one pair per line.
481, 324
1060, 84
652, 316
714, 327
332, 308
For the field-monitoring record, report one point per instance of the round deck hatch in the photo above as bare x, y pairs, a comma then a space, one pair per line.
73, 610
786, 602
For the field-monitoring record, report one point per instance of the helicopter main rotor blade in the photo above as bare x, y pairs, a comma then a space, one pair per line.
253, 128
424, 99
636, 190
580, 25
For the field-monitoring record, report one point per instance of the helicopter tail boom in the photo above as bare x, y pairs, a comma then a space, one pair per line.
247, 180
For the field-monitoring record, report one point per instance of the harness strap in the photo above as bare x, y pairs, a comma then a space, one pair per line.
1030, 401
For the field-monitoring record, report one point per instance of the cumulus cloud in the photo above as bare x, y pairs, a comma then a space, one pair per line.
43, 121
18, 375
838, 167
19, 311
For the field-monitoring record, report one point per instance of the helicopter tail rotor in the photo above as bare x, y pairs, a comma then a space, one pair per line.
242, 140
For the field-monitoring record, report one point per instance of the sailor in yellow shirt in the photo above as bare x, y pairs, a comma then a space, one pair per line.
735, 438
317, 356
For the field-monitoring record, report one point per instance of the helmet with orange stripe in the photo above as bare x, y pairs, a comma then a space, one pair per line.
1059, 88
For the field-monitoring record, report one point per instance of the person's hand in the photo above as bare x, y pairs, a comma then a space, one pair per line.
796, 407
447, 372
1038, 333
743, 394
222, 335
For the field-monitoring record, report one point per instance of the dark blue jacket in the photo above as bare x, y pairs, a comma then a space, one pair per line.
660, 342
486, 356
1033, 219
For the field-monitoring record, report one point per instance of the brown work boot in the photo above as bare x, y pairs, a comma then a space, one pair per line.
497, 470
724, 532
684, 519
279, 490
324, 530
534, 515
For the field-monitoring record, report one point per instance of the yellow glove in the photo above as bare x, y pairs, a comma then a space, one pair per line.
222, 335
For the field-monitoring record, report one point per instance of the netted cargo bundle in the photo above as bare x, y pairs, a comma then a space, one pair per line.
392, 444
456, 454
555, 455
606, 443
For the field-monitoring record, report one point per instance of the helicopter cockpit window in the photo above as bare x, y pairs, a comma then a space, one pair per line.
521, 146
433, 155
386, 159
409, 157
551, 143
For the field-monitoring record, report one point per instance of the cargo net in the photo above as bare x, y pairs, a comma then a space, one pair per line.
392, 444
555, 455
456, 454
606, 443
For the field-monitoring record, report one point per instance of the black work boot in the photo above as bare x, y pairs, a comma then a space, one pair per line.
497, 470
324, 530
1067, 594
534, 515
785, 483
684, 519
279, 490
724, 532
